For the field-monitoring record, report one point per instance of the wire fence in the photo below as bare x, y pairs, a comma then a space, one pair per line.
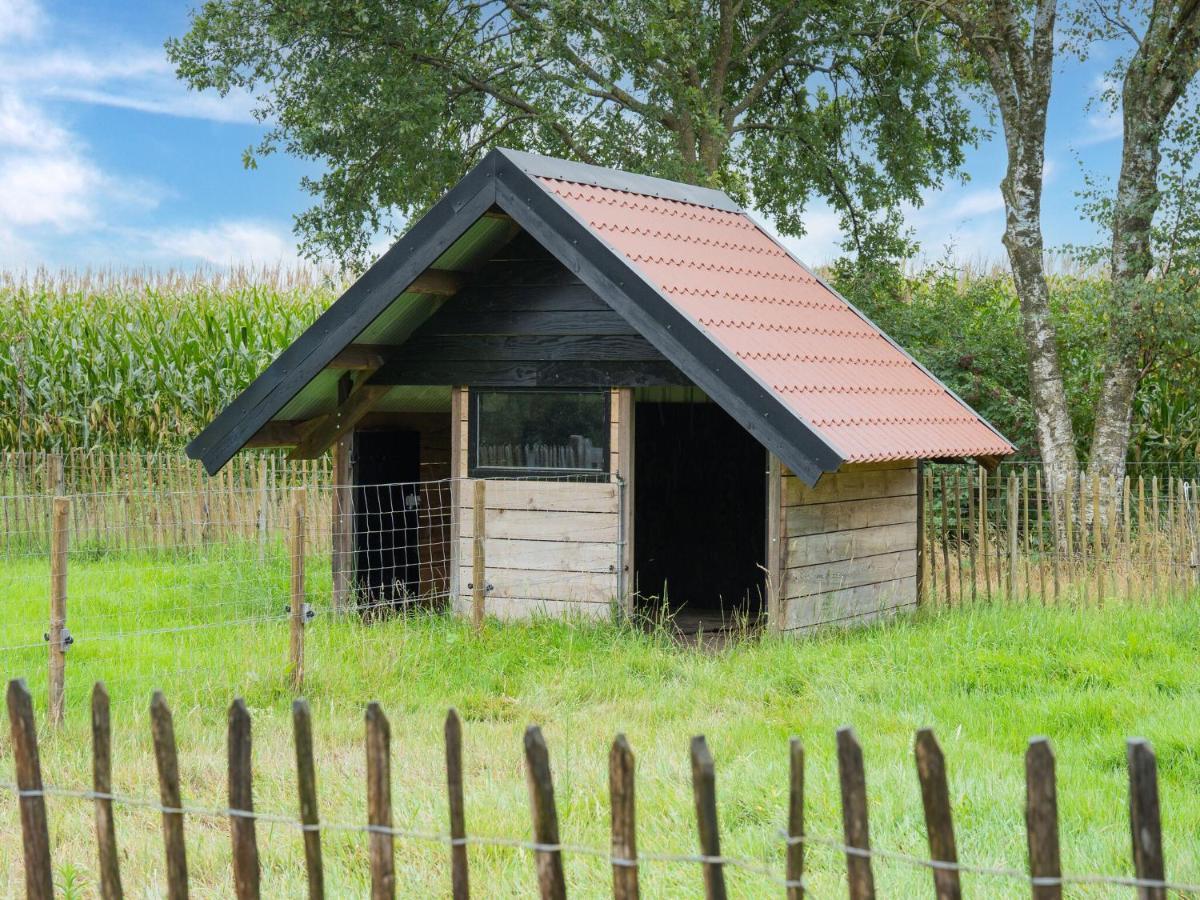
1043, 877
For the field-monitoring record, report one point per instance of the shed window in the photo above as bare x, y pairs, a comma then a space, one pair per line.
531, 432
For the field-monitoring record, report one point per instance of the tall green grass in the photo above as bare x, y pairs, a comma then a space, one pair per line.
129, 361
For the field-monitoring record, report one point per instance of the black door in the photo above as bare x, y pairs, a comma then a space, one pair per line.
387, 467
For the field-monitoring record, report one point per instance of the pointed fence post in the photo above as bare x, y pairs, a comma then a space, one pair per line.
1145, 824
624, 836
306, 784
478, 554
855, 829
935, 796
35, 833
1041, 820
795, 832
460, 888
106, 835
704, 787
241, 799
162, 728
551, 881
379, 804
57, 637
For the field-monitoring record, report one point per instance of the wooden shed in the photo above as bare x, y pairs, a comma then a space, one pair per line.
663, 405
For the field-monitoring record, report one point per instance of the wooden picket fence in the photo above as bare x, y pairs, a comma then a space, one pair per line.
1003, 534
1044, 878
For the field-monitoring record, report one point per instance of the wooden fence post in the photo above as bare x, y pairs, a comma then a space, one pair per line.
551, 881
306, 783
624, 835
106, 834
1013, 512
241, 798
704, 789
1145, 824
162, 728
1041, 820
944, 526
856, 832
379, 804
35, 834
795, 830
296, 642
939, 824
479, 560
972, 549
56, 637
459, 878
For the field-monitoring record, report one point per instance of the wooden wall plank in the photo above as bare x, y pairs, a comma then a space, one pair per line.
548, 556
560, 585
834, 546
844, 515
544, 525
834, 576
856, 603
852, 484
552, 496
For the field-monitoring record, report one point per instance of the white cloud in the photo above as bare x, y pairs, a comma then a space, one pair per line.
971, 205
24, 126
19, 20
234, 242
56, 191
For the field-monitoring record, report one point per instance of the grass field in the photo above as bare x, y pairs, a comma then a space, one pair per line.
986, 679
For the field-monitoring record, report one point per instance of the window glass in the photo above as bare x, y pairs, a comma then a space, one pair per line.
548, 431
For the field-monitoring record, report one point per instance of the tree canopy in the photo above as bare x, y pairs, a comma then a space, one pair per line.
776, 101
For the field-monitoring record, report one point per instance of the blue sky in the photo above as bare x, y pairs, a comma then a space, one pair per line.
106, 161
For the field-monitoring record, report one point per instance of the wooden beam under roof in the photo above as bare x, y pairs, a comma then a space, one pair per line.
322, 432
435, 281
280, 433
360, 356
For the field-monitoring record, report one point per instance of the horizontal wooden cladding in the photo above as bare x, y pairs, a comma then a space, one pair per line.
811, 549
817, 518
539, 525
535, 322
532, 348
517, 608
559, 586
500, 373
853, 483
851, 605
549, 496
546, 556
836, 576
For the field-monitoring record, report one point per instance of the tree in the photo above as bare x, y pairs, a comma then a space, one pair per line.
1153, 81
775, 101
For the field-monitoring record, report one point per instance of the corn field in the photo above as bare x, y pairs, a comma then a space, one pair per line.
120, 361
1005, 535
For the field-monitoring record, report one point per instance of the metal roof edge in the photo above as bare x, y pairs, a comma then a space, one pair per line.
887, 337
618, 180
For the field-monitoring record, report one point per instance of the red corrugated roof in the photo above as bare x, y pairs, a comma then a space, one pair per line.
836, 370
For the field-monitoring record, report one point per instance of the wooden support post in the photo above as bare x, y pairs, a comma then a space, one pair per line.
1145, 824
296, 610
795, 828
241, 800
1041, 819
1041, 535
459, 879
479, 559
946, 580
626, 424
984, 532
939, 825
162, 728
106, 834
379, 804
958, 535
35, 834
306, 784
58, 609
704, 789
1013, 509
776, 529
624, 834
855, 828
551, 881
971, 536
342, 555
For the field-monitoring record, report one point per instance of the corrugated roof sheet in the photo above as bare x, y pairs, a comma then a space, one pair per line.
863, 395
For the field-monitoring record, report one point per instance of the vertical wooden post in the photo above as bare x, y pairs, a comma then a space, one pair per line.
776, 529
1127, 515
624, 833
1145, 824
704, 790
1041, 819
459, 881
478, 559
984, 537
922, 563
1025, 538
1155, 531
551, 882
296, 617
58, 609
162, 728
241, 799
35, 834
263, 510
855, 828
379, 804
939, 825
343, 531
931, 556
795, 829
306, 783
106, 834
626, 443
958, 534
1041, 535
1142, 553
1013, 511
971, 534
945, 536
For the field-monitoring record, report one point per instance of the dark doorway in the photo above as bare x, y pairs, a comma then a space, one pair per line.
387, 467
699, 513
